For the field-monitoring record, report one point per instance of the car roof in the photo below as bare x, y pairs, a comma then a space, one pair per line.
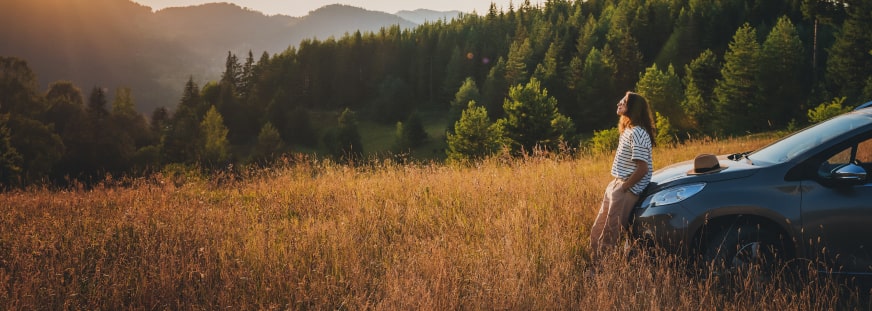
864, 106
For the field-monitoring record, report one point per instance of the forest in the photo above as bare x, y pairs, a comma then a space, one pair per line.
516, 79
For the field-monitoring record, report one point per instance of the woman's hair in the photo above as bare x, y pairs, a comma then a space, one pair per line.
638, 114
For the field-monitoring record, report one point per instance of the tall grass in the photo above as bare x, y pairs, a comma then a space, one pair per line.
307, 234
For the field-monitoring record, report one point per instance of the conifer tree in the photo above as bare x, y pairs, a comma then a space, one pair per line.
467, 92
737, 92
345, 143
126, 119
595, 91
849, 64
269, 145
18, 89
699, 80
549, 71
516, 64
474, 137
215, 146
664, 93
66, 110
411, 134
40, 148
784, 85
10, 159
495, 88
179, 144
160, 119
101, 147
531, 116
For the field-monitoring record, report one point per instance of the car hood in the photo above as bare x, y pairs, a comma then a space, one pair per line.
676, 174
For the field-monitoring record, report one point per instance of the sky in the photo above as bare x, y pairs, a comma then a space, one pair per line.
299, 8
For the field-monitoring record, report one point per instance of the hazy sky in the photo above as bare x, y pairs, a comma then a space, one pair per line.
302, 7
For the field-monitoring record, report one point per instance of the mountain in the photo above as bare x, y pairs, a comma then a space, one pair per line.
322, 23
119, 43
421, 16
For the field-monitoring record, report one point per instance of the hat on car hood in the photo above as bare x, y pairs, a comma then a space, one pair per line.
706, 164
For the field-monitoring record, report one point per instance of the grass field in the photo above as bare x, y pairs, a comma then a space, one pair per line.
308, 234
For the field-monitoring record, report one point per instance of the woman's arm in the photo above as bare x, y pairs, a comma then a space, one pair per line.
641, 170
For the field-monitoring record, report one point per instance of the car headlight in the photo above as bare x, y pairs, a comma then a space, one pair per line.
672, 195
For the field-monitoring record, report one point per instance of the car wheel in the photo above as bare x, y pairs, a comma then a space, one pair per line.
745, 248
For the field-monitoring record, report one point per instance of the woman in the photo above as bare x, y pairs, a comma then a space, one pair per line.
631, 169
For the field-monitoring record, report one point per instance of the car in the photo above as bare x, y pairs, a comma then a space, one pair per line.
806, 196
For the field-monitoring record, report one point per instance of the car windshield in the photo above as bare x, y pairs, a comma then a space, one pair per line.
786, 149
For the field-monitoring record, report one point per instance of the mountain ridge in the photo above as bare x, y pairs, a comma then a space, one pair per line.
125, 44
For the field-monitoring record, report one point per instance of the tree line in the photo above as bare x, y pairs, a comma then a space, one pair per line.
519, 78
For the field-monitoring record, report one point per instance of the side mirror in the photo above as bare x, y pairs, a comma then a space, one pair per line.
850, 173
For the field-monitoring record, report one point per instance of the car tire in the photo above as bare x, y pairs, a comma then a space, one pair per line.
745, 248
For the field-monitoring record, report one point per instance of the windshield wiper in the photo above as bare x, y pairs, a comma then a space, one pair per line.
739, 156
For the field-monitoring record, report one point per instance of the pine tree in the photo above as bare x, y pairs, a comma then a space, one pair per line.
102, 152
10, 159
467, 92
179, 144
345, 143
784, 85
215, 148
411, 133
549, 71
516, 65
495, 88
269, 145
700, 76
665, 133
531, 116
18, 89
664, 93
40, 148
160, 119
97, 105
247, 77
66, 109
626, 54
474, 137
125, 118
595, 91
849, 63
737, 92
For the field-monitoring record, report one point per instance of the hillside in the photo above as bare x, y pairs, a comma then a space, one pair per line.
421, 16
118, 43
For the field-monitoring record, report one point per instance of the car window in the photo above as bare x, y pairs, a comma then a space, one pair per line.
864, 152
863, 158
794, 145
864, 155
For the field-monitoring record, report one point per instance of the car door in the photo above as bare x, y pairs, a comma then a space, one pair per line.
837, 216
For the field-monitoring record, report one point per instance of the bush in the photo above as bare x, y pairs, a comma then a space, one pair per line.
827, 110
605, 140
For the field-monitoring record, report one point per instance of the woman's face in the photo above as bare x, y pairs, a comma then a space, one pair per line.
622, 106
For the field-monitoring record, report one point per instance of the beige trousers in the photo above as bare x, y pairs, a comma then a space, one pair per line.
612, 219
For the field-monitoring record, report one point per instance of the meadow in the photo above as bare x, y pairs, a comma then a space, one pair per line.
506, 233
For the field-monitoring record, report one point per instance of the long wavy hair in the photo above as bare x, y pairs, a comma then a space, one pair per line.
638, 113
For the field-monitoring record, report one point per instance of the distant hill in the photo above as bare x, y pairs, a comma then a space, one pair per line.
421, 16
119, 43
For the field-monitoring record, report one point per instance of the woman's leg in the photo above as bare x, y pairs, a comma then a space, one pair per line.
612, 218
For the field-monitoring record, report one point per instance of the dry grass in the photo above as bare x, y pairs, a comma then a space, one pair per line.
505, 234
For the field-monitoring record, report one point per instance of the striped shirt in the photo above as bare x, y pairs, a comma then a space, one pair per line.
635, 144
